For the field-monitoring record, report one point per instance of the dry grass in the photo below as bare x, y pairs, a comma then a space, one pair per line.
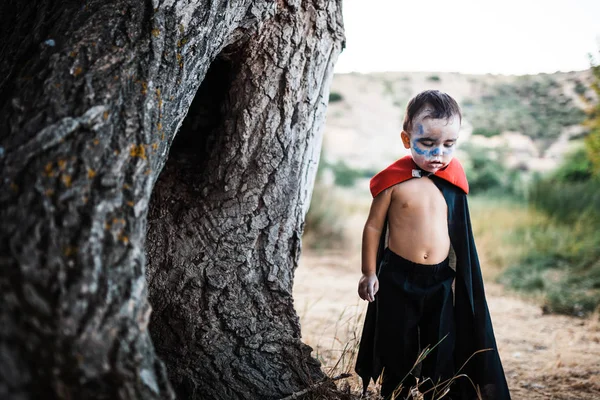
494, 222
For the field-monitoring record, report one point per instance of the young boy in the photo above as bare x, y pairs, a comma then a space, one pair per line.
421, 198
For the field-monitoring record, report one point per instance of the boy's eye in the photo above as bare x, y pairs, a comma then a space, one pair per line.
427, 143
448, 145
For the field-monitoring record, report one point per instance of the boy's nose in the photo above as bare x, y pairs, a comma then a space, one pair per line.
436, 152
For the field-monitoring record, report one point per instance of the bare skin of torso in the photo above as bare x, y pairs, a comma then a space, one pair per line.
418, 228
418, 222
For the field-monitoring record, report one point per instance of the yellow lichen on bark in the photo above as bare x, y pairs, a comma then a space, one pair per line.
66, 180
138, 151
48, 170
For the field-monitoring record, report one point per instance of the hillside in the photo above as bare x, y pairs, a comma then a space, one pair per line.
532, 118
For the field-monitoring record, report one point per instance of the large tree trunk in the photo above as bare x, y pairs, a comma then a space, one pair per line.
91, 97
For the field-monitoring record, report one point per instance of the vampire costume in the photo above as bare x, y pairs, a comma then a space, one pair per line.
475, 351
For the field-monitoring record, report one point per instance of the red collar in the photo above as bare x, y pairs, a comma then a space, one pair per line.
402, 170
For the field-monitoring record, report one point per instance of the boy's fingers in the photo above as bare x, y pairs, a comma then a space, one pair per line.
361, 292
367, 289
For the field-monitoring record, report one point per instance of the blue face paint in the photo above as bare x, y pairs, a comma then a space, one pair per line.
419, 151
432, 152
420, 130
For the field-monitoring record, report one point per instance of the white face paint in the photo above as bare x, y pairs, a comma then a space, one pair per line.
432, 141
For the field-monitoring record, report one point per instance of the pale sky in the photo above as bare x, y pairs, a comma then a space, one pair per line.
470, 36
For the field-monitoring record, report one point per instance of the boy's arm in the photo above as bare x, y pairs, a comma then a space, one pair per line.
368, 285
372, 231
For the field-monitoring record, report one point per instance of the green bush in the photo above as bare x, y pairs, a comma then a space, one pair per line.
580, 88
345, 175
433, 78
486, 174
576, 168
571, 301
567, 241
486, 131
592, 141
562, 262
568, 202
334, 97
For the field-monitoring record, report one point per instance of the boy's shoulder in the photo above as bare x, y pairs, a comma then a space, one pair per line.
405, 169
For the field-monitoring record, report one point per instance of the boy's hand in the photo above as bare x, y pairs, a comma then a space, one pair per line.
368, 287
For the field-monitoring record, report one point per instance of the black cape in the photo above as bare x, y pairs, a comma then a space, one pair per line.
474, 330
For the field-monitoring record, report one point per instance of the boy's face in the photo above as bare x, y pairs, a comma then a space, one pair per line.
432, 141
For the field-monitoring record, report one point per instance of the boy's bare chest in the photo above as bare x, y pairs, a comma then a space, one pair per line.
419, 194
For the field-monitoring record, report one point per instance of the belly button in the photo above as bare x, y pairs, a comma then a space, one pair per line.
425, 256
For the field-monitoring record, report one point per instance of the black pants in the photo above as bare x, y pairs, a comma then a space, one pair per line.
415, 310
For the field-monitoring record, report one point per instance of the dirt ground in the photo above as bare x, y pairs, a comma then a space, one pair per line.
544, 356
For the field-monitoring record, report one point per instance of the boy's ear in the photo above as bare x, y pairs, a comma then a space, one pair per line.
405, 139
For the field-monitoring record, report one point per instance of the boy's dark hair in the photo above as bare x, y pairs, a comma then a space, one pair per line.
442, 104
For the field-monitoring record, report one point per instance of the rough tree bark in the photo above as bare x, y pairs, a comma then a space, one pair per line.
91, 97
